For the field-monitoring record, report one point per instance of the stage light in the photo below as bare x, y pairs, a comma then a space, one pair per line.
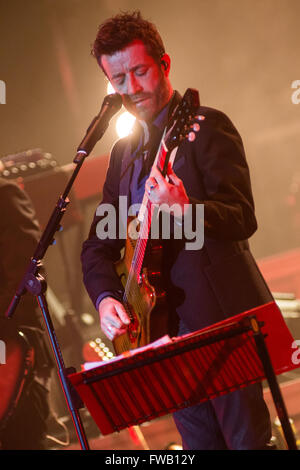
125, 121
110, 89
124, 124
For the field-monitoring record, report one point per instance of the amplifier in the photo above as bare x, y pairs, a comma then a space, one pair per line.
26, 163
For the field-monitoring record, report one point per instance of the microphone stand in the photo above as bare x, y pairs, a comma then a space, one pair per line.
36, 285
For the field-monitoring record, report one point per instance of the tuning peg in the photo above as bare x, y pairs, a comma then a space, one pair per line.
195, 126
191, 136
200, 117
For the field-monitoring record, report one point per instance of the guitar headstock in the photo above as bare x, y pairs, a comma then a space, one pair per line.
182, 118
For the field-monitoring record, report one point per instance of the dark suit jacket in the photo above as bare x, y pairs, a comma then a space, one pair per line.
222, 278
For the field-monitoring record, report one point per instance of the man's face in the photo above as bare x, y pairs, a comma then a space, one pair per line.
142, 83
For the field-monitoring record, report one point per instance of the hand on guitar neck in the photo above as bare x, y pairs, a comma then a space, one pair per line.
113, 318
172, 193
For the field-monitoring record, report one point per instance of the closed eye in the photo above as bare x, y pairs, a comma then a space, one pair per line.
141, 71
119, 80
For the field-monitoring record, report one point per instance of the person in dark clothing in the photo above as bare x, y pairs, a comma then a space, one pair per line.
206, 285
23, 418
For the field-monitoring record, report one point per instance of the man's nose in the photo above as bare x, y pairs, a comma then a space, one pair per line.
133, 85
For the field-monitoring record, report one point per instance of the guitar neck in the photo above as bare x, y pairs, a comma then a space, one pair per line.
175, 131
145, 218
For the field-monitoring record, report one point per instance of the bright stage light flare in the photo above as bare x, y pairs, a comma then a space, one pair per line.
125, 121
124, 124
110, 89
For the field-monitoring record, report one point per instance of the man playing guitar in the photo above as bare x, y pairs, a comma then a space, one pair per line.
202, 286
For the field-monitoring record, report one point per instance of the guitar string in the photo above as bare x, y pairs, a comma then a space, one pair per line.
134, 272
140, 247
139, 251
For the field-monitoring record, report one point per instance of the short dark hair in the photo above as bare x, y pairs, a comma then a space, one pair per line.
120, 30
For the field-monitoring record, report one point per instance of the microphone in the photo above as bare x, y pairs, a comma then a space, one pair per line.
110, 106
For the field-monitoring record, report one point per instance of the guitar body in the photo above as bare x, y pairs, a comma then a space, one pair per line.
146, 304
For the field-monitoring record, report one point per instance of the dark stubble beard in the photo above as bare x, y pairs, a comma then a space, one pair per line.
158, 99
163, 95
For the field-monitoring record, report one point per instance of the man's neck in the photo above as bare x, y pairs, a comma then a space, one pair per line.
160, 120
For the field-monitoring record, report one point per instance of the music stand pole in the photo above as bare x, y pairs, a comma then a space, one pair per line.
73, 400
273, 384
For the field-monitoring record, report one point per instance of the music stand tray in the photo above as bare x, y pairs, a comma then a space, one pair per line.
241, 350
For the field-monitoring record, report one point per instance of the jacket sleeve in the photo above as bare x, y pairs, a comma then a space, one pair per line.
98, 256
220, 159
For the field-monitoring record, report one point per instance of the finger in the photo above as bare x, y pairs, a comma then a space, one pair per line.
173, 177
111, 332
111, 317
115, 320
151, 183
123, 315
107, 330
158, 176
113, 312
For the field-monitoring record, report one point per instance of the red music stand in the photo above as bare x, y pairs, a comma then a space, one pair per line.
227, 356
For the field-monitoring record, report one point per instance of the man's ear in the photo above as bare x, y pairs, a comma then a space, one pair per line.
165, 63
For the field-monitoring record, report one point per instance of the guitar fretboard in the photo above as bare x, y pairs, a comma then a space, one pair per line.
145, 225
